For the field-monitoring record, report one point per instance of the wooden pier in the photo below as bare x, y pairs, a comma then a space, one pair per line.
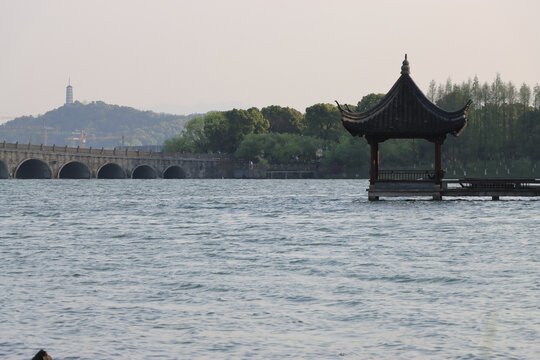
467, 187
495, 188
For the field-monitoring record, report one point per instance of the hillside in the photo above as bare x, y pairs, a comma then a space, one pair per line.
104, 125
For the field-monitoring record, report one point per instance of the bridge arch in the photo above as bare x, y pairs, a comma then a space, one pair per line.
144, 172
4, 172
111, 171
33, 169
74, 170
174, 172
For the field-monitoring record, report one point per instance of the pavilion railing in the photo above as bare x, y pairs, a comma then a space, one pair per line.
407, 175
499, 184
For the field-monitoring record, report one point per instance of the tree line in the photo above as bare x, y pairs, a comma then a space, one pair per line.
274, 134
501, 137
502, 134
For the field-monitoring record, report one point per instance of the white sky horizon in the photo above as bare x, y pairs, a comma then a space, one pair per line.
207, 54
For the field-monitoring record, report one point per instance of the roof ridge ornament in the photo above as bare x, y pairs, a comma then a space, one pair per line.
405, 68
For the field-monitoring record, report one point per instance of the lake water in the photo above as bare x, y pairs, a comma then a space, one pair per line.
241, 269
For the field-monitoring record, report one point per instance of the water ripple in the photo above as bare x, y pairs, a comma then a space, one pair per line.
263, 269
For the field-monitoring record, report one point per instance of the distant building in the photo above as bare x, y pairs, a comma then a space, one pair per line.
69, 93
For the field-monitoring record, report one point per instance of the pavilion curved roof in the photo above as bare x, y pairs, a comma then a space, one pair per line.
405, 112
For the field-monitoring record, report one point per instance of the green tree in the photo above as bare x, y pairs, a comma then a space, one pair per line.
432, 91
324, 121
524, 96
192, 138
369, 101
512, 98
536, 96
253, 147
350, 151
283, 119
279, 148
216, 131
242, 123
528, 135
536, 100
225, 130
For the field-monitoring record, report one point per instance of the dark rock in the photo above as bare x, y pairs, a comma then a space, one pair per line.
42, 355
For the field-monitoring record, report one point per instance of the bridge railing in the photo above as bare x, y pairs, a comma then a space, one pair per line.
111, 152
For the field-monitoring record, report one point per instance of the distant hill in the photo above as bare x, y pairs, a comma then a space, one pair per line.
104, 125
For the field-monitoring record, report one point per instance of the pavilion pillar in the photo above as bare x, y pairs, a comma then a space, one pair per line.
374, 168
438, 162
438, 168
439, 174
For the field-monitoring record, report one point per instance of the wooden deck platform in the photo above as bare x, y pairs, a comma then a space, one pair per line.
468, 187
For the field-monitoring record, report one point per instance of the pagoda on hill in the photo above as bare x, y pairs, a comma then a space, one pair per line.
404, 113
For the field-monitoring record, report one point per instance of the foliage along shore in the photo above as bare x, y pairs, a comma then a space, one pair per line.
501, 139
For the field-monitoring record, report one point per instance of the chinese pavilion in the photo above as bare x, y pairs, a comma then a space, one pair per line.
404, 113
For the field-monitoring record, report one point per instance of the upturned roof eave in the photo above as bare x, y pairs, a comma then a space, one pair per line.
406, 80
381, 105
405, 112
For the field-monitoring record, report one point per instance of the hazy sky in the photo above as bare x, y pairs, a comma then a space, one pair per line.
199, 55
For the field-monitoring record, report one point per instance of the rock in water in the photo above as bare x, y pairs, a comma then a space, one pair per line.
42, 355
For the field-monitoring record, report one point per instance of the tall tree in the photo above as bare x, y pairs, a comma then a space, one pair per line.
440, 92
448, 87
324, 121
536, 91
512, 98
503, 91
240, 123
485, 99
432, 91
192, 138
476, 94
369, 101
465, 89
216, 130
283, 119
524, 97
496, 99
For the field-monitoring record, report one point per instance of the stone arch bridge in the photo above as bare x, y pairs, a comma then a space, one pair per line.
49, 162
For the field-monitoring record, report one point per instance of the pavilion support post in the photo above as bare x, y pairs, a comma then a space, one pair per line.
438, 168
438, 162
374, 168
